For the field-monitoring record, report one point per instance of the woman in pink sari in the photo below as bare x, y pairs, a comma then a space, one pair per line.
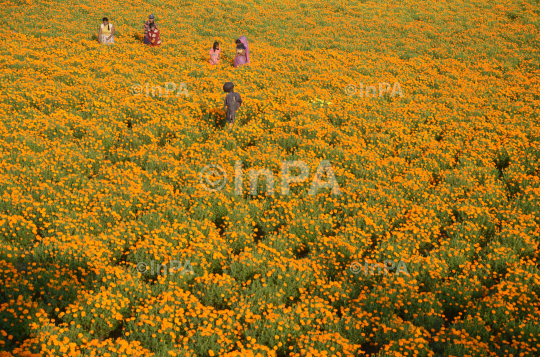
242, 52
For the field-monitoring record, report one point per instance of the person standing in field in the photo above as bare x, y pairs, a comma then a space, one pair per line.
146, 28
215, 52
106, 32
233, 101
154, 35
242, 52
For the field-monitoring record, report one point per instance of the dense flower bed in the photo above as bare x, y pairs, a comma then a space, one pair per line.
100, 180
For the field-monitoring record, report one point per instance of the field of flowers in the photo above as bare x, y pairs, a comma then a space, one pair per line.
100, 181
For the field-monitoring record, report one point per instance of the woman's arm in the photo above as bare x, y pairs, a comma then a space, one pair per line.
99, 35
112, 32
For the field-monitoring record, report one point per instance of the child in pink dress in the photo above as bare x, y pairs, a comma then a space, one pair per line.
214, 54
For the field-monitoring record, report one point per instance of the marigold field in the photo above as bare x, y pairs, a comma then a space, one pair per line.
99, 179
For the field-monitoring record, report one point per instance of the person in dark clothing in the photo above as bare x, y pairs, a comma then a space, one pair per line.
233, 101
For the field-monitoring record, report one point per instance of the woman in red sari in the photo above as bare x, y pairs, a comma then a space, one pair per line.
154, 35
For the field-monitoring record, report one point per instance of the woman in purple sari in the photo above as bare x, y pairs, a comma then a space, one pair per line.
242, 52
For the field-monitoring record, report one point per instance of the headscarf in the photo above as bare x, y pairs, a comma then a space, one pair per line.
243, 39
